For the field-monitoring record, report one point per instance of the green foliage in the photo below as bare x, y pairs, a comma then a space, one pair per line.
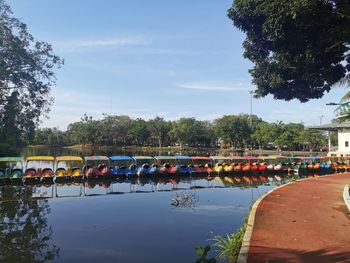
299, 48
50, 136
262, 134
26, 76
313, 139
159, 129
189, 131
233, 129
228, 247
138, 132
203, 253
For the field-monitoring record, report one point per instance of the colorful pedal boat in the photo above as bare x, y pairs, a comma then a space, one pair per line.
221, 164
39, 167
96, 167
11, 168
145, 165
68, 167
122, 165
174, 164
202, 165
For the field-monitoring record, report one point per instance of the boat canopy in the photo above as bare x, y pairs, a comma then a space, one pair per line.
11, 159
143, 158
268, 157
201, 158
317, 157
296, 158
165, 157
96, 158
219, 158
40, 158
121, 158
69, 158
251, 158
233, 157
182, 157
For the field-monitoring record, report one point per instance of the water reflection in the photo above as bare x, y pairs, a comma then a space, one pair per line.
24, 232
49, 189
131, 220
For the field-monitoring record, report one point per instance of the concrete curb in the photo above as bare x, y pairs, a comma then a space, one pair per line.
346, 196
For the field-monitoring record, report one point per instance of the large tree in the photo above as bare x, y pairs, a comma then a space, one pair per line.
159, 129
300, 48
233, 130
26, 72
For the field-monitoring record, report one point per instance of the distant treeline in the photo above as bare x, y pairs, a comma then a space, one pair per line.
230, 131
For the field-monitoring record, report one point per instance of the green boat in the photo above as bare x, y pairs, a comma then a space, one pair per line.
11, 168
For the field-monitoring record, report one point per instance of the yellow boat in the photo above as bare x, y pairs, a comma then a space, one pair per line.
69, 166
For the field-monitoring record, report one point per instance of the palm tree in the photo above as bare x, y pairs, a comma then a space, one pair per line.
344, 104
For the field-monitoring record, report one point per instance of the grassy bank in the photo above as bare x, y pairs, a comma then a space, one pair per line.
206, 150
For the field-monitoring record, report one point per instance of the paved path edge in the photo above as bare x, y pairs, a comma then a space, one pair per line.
346, 196
243, 253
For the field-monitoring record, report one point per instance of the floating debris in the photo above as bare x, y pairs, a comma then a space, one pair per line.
184, 199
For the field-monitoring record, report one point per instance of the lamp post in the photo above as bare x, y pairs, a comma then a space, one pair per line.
321, 119
251, 92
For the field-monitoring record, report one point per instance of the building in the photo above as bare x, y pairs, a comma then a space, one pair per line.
343, 130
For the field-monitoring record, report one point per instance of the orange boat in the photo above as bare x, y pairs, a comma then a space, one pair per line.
202, 165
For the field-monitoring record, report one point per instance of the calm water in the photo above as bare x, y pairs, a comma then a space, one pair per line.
126, 221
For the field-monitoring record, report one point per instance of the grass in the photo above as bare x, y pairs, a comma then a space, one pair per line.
228, 246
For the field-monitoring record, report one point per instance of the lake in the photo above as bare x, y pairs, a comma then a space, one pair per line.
123, 221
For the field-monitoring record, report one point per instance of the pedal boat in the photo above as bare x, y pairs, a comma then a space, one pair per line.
39, 168
145, 165
11, 169
69, 167
122, 166
202, 165
96, 167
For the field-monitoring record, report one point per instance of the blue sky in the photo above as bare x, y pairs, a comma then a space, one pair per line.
152, 58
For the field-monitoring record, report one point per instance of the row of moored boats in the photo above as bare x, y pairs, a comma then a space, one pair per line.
34, 168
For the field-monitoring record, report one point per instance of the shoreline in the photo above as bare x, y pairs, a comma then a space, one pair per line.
220, 151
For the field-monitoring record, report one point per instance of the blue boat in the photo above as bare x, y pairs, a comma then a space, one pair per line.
175, 164
184, 164
122, 165
145, 165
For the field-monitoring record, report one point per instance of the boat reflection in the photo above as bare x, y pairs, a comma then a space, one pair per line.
150, 185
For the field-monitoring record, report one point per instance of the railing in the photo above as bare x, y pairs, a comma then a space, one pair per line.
333, 149
343, 110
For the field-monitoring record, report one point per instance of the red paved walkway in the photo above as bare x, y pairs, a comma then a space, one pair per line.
306, 221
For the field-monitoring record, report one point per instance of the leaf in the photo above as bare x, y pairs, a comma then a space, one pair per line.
199, 250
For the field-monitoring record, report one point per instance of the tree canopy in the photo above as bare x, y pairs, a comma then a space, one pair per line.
26, 76
229, 131
299, 48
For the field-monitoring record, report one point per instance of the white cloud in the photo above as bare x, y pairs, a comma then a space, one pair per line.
213, 87
121, 41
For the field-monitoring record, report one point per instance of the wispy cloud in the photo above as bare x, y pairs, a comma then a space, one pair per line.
213, 87
121, 41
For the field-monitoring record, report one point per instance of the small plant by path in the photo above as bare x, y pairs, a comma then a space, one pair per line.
203, 253
228, 246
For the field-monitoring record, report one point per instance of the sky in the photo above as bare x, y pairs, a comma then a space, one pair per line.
153, 58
